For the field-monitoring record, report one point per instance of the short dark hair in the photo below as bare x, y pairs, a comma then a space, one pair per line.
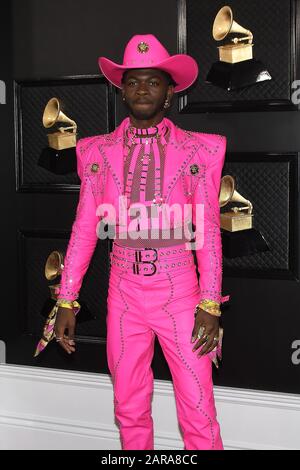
166, 74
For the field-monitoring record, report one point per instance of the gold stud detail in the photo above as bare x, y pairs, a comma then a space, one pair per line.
143, 47
95, 167
194, 169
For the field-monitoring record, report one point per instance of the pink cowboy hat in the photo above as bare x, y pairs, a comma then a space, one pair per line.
145, 51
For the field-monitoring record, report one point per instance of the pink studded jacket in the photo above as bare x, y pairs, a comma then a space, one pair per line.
192, 174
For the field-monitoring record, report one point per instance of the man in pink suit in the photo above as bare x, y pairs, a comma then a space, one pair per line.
148, 166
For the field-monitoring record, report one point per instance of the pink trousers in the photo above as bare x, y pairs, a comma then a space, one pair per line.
140, 307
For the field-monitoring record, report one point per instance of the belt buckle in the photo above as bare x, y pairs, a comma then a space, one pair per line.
138, 258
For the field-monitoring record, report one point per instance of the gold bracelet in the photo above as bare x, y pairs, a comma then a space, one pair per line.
67, 303
210, 306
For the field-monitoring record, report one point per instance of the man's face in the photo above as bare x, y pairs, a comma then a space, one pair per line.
145, 91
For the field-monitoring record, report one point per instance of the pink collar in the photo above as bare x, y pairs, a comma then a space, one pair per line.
137, 135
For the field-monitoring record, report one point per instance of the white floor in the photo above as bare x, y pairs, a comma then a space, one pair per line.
54, 409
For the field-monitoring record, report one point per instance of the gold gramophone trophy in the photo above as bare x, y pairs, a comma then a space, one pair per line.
66, 136
236, 67
53, 268
239, 238
235, 219
59, 157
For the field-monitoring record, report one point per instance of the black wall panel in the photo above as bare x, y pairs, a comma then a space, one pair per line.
262, 321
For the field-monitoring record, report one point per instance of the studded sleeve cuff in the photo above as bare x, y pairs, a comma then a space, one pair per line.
206, 219
83, 238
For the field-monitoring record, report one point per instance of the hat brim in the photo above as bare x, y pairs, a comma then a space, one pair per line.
182, 67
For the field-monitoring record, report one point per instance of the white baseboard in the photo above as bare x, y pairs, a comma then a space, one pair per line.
56, 409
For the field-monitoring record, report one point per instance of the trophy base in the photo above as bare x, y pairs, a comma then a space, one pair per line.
234, 222
62, 140
59, 162
243, 243
238, 75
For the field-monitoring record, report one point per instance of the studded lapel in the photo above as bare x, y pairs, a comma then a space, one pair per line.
180, 150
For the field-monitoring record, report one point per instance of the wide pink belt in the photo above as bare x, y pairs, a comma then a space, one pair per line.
150, 261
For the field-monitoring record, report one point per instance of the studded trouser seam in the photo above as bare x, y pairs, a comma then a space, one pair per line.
122, 347
195, 377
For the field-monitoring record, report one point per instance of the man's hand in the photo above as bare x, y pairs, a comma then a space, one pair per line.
210, 323
65, 319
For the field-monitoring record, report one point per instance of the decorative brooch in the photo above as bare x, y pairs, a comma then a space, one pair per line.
194, 169
143, 47
94, 167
